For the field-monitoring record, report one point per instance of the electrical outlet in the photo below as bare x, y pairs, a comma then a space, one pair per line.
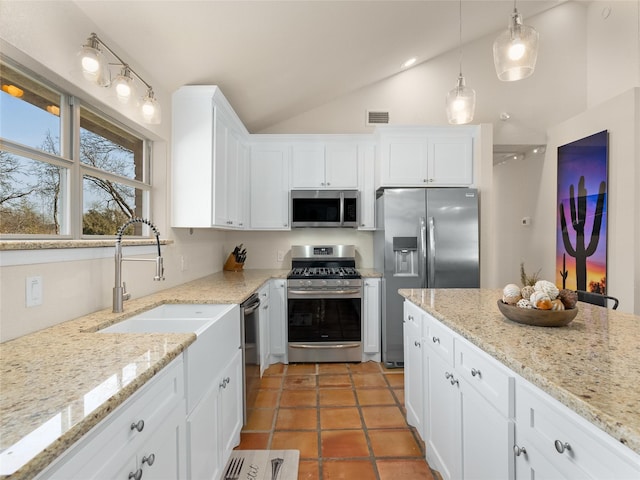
280, 256
184, 265
33, 291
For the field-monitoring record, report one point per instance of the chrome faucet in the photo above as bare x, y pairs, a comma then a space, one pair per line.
120, 293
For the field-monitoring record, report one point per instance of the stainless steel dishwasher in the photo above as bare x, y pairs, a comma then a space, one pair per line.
250, 333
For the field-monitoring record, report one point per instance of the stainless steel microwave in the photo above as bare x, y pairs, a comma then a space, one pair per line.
324, 208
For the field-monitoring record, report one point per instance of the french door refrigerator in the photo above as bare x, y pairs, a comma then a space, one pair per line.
424, 238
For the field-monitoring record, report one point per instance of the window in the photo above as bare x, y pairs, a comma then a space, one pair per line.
55, 149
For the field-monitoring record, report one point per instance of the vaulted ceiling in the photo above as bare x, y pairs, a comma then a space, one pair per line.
277, 59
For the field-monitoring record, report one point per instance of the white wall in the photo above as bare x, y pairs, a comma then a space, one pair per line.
620, 116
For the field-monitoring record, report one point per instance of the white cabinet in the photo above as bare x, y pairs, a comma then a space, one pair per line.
278, 320
371, 319
366, 186
558, 443
143, 436
459, 400
426, 157
209, 152
269, 186
320, 165
264, 333
214, 395
414, 373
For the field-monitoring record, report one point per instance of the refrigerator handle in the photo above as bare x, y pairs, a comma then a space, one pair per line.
422, 253
432, 252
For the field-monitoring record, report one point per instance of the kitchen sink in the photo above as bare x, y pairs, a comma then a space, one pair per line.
171, 318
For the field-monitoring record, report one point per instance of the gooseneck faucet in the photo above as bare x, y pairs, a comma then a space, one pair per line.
120, 293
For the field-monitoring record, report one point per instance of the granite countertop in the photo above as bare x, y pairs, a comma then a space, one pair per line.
590, 365
60, 382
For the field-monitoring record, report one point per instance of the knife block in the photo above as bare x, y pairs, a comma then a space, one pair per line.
231, 265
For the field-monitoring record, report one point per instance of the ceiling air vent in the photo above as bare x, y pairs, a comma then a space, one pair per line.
377, 117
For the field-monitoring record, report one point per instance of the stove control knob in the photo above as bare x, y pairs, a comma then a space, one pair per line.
346, 283
339, 282
323, 283
307, 283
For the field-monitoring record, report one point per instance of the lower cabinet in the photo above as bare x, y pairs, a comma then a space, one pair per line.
264, 334
144, 437
553, 442
278, 320
371, 319
414, 372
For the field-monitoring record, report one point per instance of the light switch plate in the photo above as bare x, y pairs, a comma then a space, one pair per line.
33, 291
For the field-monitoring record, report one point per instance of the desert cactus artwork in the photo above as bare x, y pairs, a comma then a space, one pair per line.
578, 209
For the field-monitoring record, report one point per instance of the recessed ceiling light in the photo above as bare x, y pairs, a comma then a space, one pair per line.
409, 62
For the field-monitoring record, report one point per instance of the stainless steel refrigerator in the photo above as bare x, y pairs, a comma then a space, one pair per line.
424, 238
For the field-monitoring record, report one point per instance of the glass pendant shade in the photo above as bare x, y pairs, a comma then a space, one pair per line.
151, 109
94, 65
123, 85
515, 51
461, 103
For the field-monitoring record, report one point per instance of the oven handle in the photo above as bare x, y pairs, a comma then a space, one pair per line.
325, 292
342, 345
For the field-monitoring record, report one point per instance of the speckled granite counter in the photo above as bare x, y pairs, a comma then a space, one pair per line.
56, 384
590, 365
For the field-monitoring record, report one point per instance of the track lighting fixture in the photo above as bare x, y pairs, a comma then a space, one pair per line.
461, 101
515, 51
96, 69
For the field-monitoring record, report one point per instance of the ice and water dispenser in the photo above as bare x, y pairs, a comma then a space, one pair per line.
405, 252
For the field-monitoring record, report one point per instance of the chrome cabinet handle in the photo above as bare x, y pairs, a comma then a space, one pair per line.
149, 460
137, 475
454, 381
225, 382
410, 317
519, 450
435, 340
561, 447
416, 343
138, 426
475, 372
448, 375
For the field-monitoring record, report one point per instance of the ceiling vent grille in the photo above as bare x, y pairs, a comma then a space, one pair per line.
377, 117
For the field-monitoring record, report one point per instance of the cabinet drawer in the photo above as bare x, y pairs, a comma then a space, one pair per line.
542, 422
439, 339
493, 381
115, 439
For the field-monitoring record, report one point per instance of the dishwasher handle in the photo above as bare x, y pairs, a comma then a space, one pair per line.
251, 304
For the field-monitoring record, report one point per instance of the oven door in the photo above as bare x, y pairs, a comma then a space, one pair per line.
325, 325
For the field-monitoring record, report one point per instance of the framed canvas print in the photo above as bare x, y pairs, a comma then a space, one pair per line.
581, 233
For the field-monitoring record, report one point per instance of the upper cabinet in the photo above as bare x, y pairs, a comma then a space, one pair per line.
319, 165
269, 186
426, 156
209, 161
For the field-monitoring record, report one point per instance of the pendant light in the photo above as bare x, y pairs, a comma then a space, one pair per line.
461, 101
515, 51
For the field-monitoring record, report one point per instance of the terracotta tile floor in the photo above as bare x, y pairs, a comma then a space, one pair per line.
347, 420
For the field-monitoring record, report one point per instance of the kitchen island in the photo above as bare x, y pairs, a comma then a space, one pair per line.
589, 366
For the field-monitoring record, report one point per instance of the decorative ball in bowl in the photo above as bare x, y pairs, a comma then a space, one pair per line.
536, 317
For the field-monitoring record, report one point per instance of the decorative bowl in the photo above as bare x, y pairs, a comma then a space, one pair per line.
538, 318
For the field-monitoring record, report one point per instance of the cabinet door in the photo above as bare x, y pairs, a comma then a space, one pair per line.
307, 166
203, 439
263, 325
413, 373
235, 186
163, 456
404, 161
230, 406
269, 179
371, 316
278, 318
341, 166
220, 172
450, 161
442, 424
533, 465
487, 437
367, 187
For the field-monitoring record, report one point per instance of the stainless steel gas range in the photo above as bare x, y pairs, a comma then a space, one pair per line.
324, 303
